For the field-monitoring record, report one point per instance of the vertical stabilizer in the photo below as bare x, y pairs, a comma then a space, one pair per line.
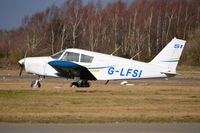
170, 55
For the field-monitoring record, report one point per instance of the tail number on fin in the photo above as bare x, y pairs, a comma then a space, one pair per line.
178, 46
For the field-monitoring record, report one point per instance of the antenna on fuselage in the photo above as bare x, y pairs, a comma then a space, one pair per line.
116, 50
136, 54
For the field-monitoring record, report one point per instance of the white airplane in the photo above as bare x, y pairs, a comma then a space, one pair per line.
83, 65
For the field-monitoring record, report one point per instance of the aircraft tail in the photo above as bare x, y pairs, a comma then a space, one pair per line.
169, 57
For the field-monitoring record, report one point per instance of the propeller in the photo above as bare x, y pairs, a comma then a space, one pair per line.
21, 69
22, 64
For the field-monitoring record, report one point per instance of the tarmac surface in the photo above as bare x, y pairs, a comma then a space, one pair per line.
100, 128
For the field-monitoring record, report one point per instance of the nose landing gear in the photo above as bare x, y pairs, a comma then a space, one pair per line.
36, 83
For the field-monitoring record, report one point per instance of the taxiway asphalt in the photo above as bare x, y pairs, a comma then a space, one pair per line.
100, 128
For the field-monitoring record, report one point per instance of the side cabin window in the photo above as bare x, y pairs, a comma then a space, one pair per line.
70, 56
86, 58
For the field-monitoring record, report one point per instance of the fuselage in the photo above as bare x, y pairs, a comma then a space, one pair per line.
84, 65
102, 66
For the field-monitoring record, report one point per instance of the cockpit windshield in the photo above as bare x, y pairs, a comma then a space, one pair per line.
57, 55
70, 56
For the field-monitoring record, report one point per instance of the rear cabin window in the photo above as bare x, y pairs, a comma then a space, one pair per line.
70, 56
86, 58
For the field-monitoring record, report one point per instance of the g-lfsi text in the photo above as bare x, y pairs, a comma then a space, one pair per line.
125, 72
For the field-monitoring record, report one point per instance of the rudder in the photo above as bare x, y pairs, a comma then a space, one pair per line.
170, 55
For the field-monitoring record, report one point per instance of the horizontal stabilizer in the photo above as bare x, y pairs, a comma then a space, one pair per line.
169, 74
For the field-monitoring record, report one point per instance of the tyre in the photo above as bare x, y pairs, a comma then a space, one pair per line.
74, 85
35, 84
84, 84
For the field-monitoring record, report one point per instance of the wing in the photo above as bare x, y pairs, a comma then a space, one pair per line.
70, 69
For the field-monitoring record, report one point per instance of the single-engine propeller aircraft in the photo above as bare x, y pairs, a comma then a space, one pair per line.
83, 65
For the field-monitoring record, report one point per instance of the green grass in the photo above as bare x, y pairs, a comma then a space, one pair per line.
110, 104
147, 101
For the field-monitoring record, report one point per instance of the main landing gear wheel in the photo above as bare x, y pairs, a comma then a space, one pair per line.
36, 84
84, 84
80, 84
75, 84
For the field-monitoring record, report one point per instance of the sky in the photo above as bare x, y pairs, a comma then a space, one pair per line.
12, 11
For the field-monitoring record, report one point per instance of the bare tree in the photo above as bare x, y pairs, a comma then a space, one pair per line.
52, 40
149, 31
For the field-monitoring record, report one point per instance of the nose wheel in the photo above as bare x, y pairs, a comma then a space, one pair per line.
35, 84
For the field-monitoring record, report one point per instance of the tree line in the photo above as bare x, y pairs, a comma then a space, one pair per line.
140, 29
